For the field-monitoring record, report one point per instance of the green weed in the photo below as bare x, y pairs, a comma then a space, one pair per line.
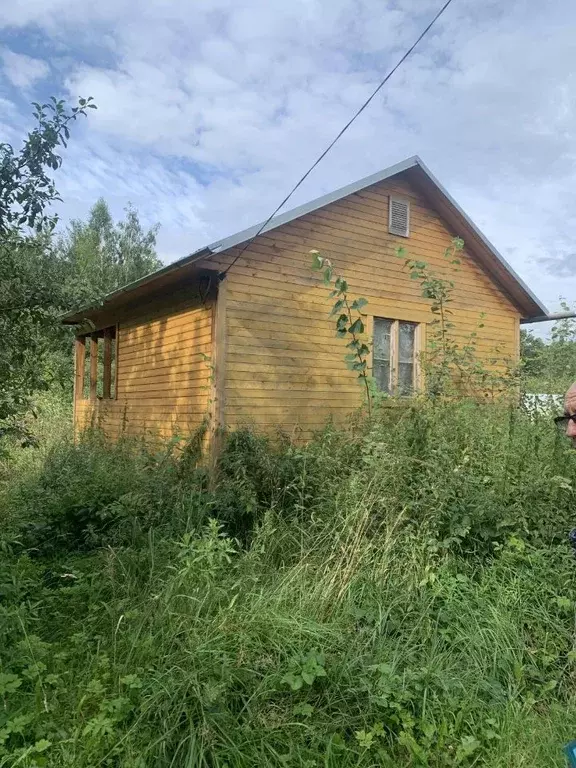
396, 594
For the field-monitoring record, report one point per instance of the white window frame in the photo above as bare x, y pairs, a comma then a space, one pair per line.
419, 333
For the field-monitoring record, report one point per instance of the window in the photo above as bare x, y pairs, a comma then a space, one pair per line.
394, 356
399, 217
96, 365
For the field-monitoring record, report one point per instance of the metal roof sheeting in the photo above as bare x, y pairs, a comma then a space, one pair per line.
499, 269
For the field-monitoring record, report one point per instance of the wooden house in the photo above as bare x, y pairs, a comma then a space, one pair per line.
239, 332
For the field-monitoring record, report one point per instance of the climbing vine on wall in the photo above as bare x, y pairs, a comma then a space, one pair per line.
349, 323
451, 368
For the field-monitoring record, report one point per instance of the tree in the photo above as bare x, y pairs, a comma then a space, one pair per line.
532, 349
30, 276
26, 186
550, 365
102, 256
94, 257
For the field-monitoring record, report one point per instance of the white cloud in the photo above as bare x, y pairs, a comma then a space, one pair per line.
208, 115
22, 71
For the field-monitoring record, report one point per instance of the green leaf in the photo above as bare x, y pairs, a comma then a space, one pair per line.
364, 738
317, 261
294, 681
337, 306
356, 327
42, 745
428, 729
406, 739
303, 709
359, 303
468, 745
9, 682
132, 681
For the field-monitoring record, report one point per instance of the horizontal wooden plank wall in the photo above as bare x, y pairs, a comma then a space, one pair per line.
163, 375
284, 364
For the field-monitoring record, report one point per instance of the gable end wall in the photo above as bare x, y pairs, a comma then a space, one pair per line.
284, 364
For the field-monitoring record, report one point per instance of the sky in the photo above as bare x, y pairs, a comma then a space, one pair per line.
210, 110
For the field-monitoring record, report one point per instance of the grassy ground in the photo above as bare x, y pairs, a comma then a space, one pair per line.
399, 594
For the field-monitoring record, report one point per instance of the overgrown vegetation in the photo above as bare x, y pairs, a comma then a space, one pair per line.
451, 367
549, 365
399, 593
28, 270
43, 272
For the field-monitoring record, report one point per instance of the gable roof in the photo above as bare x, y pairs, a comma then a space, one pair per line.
422, 179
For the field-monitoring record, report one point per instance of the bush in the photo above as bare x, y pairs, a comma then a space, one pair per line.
469, 475
397, 594
92, 493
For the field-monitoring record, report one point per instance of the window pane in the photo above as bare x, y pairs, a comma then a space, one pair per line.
86, 389
405, 378
382, 375
113, 364
100, 363
100, 381
406, 335
382, 330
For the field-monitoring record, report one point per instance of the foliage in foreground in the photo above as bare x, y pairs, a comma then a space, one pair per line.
396, 595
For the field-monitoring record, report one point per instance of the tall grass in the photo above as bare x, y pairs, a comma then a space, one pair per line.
396, 594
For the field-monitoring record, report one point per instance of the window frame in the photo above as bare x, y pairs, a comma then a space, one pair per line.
419, 340
391, 229
108, 334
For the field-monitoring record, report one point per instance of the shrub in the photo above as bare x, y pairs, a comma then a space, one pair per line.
395, 594
93, 493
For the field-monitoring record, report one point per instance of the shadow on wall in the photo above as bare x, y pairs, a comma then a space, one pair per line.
164, 369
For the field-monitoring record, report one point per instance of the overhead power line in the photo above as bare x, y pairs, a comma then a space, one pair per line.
340, 134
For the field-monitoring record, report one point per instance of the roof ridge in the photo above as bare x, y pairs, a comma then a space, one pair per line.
527, 297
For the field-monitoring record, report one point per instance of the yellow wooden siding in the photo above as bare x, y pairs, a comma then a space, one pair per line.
284, 364
164, 375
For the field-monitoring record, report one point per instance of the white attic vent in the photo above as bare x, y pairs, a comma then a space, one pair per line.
399, 217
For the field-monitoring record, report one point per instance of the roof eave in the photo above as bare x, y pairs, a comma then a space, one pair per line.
78, 316
528, 302
501, 272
